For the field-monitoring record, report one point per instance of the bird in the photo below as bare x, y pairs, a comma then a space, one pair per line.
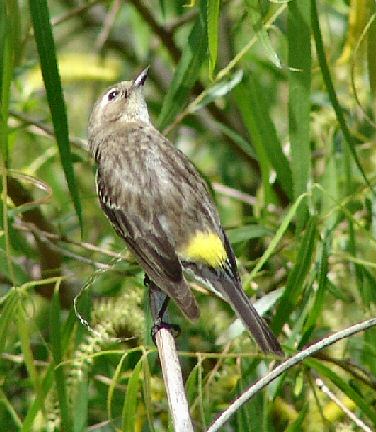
161, 207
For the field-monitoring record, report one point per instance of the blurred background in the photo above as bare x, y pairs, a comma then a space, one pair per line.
274, 102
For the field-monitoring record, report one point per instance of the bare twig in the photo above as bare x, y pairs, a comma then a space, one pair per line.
22, 226
287, 364
74, 12
234, 193
181, 20
48, 130
325, 389
107, 25
173, 381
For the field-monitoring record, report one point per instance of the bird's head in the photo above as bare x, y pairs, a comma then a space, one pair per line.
123, 102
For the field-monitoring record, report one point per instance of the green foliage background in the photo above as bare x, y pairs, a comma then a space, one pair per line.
275, 104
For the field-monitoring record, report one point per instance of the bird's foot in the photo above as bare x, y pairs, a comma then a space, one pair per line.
147, 281
159, 324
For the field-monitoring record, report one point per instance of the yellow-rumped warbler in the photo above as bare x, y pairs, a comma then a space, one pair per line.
159, 204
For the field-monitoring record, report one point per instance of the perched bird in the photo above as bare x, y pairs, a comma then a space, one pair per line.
160, 205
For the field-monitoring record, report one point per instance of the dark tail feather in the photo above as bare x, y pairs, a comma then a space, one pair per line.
251, 319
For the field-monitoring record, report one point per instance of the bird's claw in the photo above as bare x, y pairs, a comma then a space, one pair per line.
159, 324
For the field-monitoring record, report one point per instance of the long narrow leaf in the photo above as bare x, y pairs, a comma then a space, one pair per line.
55, 337
278, 235
332, 93
130, 403
371, 50
296, 278
299, 58
269, 137
212, 30
186, 73
38, 402
250, 119
46, 49
7, 315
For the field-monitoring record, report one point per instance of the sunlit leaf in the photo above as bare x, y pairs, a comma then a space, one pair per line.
212, 29
46, 49
299, 39
129, 407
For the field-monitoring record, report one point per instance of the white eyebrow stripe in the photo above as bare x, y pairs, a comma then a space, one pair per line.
104, 100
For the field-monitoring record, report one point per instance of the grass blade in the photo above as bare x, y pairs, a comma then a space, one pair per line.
276, 239
212, 31
256, 12
130, 403
296, 278
55, 338
55, 98
38, 402
269, 137
332, 93
7, 316
248, 113
185, 75
299, 59
371, 49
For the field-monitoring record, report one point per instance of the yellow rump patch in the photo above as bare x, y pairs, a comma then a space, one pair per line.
206, 247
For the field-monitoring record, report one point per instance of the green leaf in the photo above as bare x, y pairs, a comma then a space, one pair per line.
191, 384
147, 392
130, 402
55, 98
317, 307
248, 113
278, 235
247, 232
38, 402
25, 339
268, 135
56, 348
7, 316
297, 425
212, 30
256, 16
332, 93
186, 74
8, 24
242, 143
295, 282
299, 60
220, 89
371, 49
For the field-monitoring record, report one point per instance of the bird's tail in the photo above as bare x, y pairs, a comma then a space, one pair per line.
241, 304
230, 290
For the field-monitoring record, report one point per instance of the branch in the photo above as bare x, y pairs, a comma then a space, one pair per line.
287, 364
171, 369
48, 130
325, 389
173, 380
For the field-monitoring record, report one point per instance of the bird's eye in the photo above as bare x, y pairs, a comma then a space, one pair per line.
112, 94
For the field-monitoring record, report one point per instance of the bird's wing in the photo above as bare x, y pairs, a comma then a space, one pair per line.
143, 233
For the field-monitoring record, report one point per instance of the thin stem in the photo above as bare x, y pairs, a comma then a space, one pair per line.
288, 364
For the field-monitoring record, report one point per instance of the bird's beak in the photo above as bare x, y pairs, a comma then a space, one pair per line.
141, 78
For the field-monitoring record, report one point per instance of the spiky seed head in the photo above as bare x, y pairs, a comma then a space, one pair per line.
123, 102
